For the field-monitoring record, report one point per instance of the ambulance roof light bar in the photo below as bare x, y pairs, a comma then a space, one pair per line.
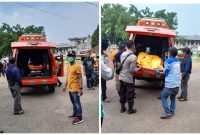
32, 38
153, 19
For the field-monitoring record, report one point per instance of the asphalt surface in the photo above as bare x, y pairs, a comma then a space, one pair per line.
149, 109
46, 112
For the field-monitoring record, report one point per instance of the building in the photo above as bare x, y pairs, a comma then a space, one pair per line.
82, 44
191, 41
79, 44
63, 48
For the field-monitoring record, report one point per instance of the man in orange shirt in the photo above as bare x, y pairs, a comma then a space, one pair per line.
57, 67
74, 86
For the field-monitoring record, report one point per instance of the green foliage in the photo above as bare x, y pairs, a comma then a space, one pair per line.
95, 37
10, 34
170, 18
116, 17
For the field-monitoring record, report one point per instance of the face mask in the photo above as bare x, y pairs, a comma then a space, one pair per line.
70, 59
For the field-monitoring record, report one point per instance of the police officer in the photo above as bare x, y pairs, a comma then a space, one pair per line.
15, 84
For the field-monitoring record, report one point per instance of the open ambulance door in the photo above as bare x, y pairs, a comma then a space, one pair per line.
61, 65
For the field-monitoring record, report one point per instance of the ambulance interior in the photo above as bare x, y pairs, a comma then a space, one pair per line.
151, 51
34, 63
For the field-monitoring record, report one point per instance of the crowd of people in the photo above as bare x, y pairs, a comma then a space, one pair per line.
123, 66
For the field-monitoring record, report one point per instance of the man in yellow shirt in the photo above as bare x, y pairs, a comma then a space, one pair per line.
74, 86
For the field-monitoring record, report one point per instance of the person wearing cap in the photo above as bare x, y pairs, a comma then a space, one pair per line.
107, 71
127, 90
186, 68
74, 86
122, 48
15, 84
88, 68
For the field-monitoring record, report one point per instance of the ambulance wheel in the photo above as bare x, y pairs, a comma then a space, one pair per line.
51, 88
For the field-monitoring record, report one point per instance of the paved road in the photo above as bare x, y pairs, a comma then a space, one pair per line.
45, 112
147, 119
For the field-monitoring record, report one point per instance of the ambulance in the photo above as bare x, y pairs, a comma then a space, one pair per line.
152, 38
35, 59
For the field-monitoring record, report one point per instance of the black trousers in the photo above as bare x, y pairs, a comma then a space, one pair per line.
101, 121
103, 89
127, 92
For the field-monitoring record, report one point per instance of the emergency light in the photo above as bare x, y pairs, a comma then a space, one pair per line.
32, 38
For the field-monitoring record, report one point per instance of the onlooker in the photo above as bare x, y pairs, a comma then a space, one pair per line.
57, 68
107, 69
122, 48
88, 68
106, 58
15, 84
127, 90
1, 68
172, 83
74, 85
5, 64
186, 68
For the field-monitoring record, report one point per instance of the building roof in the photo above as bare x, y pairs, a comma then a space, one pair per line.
77, 38
64, 45
190, 37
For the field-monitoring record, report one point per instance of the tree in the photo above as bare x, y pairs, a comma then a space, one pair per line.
170, 18
10, 34
114, 20
95, 37
116, 17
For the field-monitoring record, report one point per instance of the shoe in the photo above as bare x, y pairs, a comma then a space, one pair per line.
77, 120
106, 100
130, 108
19, 113
182, 99
72, 116
179, 97
123, 108
92, 88
130, 111
166, 116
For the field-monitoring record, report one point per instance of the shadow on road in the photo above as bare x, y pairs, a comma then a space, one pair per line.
36, 91
153, 85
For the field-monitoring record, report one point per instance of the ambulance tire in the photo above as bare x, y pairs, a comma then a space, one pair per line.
51, 88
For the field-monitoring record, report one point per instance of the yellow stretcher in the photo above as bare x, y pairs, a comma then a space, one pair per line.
149, 61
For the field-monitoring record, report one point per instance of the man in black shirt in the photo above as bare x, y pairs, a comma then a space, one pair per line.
88, 68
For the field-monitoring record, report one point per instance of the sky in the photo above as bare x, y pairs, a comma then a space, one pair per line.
78, 19
188, 16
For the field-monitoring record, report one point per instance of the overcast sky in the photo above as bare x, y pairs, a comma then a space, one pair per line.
188, 16
80, 18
